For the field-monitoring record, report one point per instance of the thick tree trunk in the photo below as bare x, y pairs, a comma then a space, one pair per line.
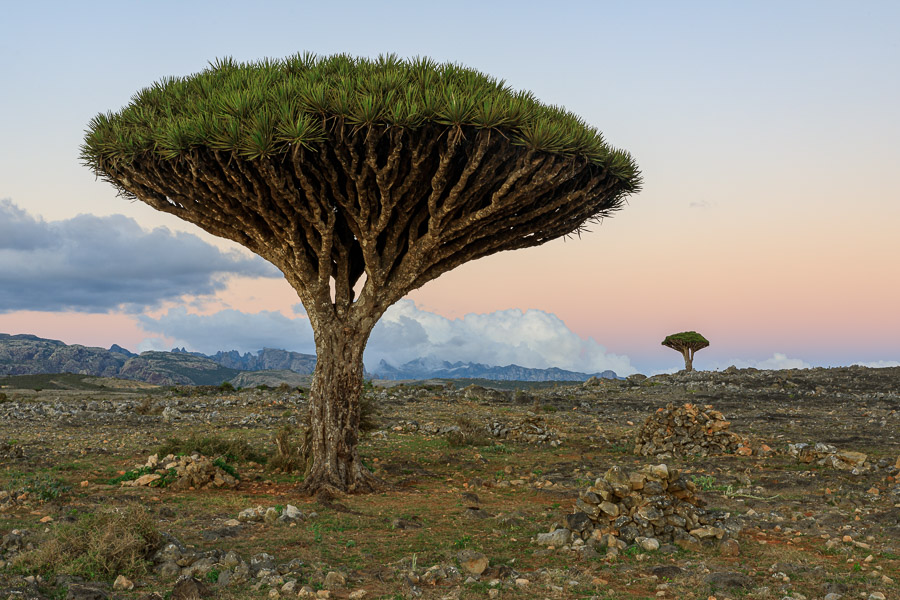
688, 359
333, 460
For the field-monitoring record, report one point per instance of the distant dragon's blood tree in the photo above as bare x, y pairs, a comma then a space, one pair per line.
686, 342
361, 180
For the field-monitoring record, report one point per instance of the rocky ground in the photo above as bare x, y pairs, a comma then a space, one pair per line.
529, 493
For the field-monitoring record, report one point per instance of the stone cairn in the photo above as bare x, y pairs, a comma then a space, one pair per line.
648, 507
688, 429
195, 471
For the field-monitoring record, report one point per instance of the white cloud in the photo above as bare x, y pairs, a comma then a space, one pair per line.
878, 364
773, 363
535, 338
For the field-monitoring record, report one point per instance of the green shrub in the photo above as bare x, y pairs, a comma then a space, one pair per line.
42, 486
220, 462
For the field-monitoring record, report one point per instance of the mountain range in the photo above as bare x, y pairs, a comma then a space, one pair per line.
424, 368
25, 354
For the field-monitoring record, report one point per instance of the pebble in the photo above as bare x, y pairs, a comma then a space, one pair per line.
122, 583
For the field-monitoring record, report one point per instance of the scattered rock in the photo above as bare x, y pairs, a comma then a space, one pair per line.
829, 456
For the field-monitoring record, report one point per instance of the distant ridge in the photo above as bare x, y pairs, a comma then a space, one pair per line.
430, 369
26, 354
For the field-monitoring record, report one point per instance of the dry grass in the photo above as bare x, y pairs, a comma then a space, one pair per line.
469, 434
233, 450
289, 455
97, 546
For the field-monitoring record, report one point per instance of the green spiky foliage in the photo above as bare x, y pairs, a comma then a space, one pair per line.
686, 337
361, 180
686, 342
265, 108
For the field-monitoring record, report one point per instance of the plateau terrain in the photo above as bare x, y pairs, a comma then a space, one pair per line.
733, 484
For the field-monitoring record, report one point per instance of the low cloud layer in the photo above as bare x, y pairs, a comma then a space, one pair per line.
534, 339
530, 339
101, 264
228, 330
879, 364
775, 362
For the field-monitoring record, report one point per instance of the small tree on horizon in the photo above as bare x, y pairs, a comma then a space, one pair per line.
686, 342
361, 180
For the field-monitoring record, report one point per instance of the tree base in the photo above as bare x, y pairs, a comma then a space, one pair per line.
322, 481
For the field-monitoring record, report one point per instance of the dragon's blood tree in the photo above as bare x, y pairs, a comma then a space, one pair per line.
686, 342
361, 180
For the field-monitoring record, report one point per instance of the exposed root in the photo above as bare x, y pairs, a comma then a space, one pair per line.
326, 485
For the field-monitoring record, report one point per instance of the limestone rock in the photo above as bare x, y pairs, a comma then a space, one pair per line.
472, 562
556, 538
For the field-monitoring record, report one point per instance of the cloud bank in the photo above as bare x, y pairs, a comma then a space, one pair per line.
228, 330
775, 362
535, 339
101, 264
878, 364
529, 339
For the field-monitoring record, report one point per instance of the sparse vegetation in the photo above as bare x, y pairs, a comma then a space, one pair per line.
43, 486
470, 433
97, 546
288, 456
441, 493
233, 450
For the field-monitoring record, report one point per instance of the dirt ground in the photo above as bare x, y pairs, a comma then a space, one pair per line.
472, 471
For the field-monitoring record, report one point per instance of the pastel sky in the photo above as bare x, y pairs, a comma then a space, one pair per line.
767, 133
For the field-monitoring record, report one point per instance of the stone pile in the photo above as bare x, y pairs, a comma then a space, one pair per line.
531, 429
649, 507
289, 514
688, 429
185, 472
829, 456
